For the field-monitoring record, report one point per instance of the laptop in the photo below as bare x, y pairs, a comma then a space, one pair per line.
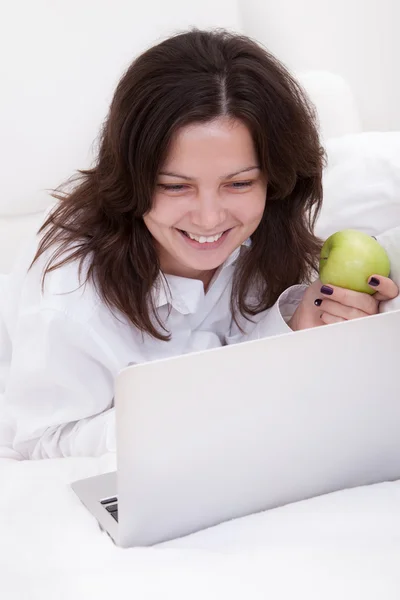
219, 434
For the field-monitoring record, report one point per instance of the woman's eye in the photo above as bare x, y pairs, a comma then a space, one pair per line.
171, 188
238, 185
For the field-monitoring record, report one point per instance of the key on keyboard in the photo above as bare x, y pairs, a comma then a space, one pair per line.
111, 505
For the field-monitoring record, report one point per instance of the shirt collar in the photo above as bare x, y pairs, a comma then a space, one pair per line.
184, 294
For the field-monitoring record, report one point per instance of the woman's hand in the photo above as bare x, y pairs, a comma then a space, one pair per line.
324, 304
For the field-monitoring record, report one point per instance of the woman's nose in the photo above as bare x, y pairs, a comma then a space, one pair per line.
208, 214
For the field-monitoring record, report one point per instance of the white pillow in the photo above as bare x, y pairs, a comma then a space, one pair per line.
334, 101
361, 184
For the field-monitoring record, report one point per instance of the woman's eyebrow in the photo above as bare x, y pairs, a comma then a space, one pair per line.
180, 176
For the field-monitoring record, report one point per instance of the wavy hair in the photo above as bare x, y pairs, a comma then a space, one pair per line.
195, 76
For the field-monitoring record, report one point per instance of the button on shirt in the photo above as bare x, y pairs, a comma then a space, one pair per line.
62, 348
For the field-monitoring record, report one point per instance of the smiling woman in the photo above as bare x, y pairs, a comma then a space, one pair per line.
193, 229
188, 119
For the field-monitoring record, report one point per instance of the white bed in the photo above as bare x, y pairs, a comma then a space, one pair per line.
344, 545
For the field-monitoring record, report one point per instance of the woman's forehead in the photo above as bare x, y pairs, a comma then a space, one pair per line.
223, 144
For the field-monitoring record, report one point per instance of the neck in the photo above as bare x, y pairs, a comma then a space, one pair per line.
204, 276
169, 267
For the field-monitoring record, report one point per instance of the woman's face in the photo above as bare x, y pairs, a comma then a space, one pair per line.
209, 198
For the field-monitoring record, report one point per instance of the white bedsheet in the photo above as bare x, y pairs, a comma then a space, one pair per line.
343, 545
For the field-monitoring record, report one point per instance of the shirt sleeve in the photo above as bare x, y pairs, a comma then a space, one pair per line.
273, 321
59, 392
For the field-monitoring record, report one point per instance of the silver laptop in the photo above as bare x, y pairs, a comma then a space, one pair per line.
219, 434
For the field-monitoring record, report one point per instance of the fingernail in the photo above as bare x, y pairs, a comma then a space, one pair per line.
374, 281
318, 302
327, 290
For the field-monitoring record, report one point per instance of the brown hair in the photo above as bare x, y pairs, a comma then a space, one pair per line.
194, 76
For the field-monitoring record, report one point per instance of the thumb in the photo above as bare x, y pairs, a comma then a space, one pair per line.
386, 289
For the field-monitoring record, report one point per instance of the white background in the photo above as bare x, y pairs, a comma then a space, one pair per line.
61, 59
359, 39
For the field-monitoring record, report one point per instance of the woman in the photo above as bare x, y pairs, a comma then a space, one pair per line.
194, 229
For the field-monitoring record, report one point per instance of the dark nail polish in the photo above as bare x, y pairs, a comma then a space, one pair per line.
327, 290
318, 302
374, 281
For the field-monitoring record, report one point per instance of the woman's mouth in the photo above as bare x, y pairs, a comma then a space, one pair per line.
203, 242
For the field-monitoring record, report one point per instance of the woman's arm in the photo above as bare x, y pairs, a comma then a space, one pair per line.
60, 388
273, 321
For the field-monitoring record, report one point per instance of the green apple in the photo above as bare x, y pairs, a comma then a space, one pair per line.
349, 258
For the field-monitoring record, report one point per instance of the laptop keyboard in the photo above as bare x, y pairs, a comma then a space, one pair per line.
111, 505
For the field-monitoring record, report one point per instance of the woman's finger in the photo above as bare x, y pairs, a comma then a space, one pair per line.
341, 310
359, 300
386, 288
330, 319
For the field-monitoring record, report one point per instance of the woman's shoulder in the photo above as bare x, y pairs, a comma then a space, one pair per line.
65, 289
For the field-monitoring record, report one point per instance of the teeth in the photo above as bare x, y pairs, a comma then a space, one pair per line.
203, 239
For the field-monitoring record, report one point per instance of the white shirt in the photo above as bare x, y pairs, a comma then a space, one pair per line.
61, 349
